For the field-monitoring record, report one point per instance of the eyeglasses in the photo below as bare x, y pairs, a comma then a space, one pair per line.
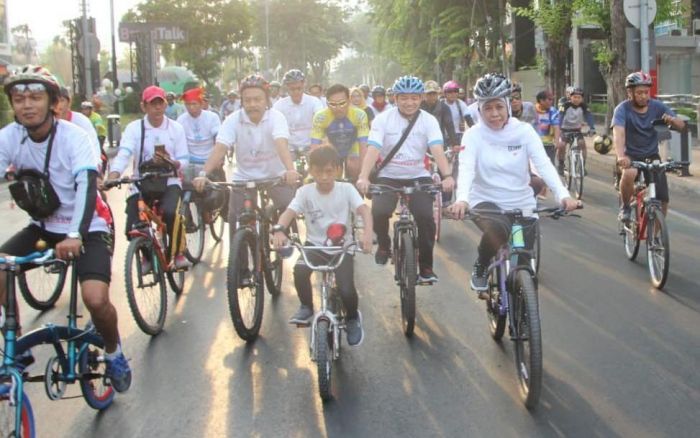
337, 104
32, 87
516, 97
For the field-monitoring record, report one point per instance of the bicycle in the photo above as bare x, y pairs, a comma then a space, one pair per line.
513, 297
42, 287
405, 249
438, 201
574, 169
251, 263
647, 221
328, 323
149, 305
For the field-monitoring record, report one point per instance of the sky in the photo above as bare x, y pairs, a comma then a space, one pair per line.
45, 18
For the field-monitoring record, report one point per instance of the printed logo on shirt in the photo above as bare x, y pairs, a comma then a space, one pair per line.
513, 148
312, 214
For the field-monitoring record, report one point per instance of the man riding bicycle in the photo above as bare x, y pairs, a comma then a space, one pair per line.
635, 139
546, 122
572, 115
57, 184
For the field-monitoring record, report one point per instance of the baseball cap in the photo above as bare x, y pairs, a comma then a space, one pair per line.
86, 104
151, 93
193, 95
431, 87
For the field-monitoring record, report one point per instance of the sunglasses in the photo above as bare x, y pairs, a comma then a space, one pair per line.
337, 104
33, 87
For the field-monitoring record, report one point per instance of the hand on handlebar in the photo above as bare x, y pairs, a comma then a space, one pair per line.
279, 239
291, 177
200, 183
570, 204
362, 185
448, 184
624, 162
458, 209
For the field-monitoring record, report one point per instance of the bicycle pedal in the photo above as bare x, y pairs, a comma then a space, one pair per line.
302, 324
424, 283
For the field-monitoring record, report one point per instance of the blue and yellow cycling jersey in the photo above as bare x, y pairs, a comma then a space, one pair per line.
344, 134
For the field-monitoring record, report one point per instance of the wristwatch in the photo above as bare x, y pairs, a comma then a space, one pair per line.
277, 227
75, 235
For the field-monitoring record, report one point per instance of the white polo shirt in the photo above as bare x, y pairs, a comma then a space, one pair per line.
256, 154
299, 118
458, 108
387, 129
201, 134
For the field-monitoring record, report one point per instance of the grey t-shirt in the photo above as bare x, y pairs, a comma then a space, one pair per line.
641, 139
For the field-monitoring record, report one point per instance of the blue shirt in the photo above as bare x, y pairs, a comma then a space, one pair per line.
641, 139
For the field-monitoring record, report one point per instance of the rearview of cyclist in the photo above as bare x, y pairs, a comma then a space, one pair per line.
572, 115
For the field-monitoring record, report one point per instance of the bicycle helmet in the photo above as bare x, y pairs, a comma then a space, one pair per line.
492, 86
364, 88
254, 81
450, 86
65, 92
378, 90
275, 84
293, 75
574, 89
602, 144
408, 85
637, 78
515, 87
34, 74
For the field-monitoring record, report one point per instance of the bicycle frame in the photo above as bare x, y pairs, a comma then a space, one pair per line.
405, 224
150, 224
646, 199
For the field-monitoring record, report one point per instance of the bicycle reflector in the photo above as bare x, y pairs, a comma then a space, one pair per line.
336, 234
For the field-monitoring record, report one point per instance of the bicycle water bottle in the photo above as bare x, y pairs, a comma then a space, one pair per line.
517, 236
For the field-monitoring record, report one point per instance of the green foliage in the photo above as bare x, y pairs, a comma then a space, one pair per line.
597, 107
553, 17
690, 113
6, 114
132, 103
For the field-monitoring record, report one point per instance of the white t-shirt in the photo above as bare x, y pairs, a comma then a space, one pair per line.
387, 129
170, 133
322, 210
256, 154
495, 166
299, 118
201, 133
473, 111
71, 153
81, 120
456, 108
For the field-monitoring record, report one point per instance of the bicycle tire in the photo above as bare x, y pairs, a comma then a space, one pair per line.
536, 250
437, 208
39, 289
324, 360
497, 322
658, 272
246, 312
528, 343
407, 282
176, 280
92, 368
578, 180
630, 236
274, 268
8, 413
194, 232
216, 227
151, 324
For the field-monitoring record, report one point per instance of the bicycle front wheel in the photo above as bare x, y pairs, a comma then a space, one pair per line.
528, 338
630, 237
145, 287
216, 227
8, 414
92, 368
324, 361
658, 249
176, 280
194, 229
437, 208
246, 298
41, 287
407, 283
497, 320
577, 182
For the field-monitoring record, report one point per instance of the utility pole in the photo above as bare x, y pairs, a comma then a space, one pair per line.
644, 34
267, 37
115, 79
86, 53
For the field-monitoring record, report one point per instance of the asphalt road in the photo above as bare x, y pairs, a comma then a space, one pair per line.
620, 358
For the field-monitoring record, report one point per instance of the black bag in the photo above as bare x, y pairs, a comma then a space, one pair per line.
32, 191
151, 188
374, 174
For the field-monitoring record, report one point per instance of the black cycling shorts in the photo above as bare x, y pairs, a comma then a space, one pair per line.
95, 263
661, 182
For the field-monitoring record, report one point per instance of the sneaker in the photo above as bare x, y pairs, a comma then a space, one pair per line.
480, 279
302, 316
118, 372
146, 266
354, 330
382, 256
427, 276
625, 214
181, 263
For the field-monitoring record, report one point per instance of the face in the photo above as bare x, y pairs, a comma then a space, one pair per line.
339, 104
170, 100
315, 91
63, 107
254, 102
408, 104
324, 176
356, 98
194, 107
495, 113
232, 97
639, 95
296, 90
86, 111
431, 98
31, 105
516, 101
274, 91
379, 98
391, 98
155, 110
576, 99
546, 103
451, 95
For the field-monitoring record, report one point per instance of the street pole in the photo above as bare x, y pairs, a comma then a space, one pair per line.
86, 54
115, 79
267, 37
644, 34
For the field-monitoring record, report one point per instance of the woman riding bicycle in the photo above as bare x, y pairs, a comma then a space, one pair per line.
495, 172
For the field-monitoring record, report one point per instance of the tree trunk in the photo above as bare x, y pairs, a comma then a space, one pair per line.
555, 71
617, 71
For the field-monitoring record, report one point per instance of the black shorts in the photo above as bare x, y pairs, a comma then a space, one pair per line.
95, 263
661, 182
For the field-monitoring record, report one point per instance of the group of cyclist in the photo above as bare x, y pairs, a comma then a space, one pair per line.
500, 140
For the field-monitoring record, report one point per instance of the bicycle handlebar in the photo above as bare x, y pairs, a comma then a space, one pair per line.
37, 258
554, 212
340, 252
249, 184
378, 189
657, 165
135, 179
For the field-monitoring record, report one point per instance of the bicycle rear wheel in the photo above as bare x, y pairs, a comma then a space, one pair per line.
41, 287
216, 227
92, 368
195, 232
577, 183
176, 280
407, 283
437, 208
497, 321
630, 237
324, 361
658, 248
528, 338
246, 297
145, 291
8, 414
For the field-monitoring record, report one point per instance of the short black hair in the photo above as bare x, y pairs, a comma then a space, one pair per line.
542, 95
323, 156
337, 88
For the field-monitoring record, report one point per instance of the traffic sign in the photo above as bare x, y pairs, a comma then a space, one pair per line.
160, 32
632, 11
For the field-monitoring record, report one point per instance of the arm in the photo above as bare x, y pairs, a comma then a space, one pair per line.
128, 146
438, 153
279, 238
368, 233
589, 118
538, 156
467, 172
448, 125
619, 143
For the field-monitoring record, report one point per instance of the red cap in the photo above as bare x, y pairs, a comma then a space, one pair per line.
151, 93
193, 95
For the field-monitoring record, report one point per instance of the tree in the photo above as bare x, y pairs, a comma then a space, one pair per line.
24, 46
57, 58
216, 28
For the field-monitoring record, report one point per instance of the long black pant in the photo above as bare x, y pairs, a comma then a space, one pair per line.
169, 204
496, 229
420, 205
344, 279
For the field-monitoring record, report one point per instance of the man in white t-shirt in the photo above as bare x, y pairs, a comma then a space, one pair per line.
155, 142
457, 107
65, 113
406, 168
323, 203
299, 109
79, 225
260, 136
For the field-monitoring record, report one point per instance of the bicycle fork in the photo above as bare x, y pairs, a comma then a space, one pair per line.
333, 323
